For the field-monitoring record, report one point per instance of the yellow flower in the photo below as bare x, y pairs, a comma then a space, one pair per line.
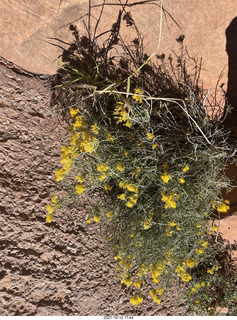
205, 244
109, 214
122, 184
102, 176
131, 187
50, 208
169, 200
79, 188
136, 300
186, 168
96, 218
199, 251
127, 280
223, 208
154, 146
120, 166
107, 187
132, 235
172, 223
198, 225
186, 277
181, 180
203, 284
137, 96
165, 177
110, 138
122, 196
95, 129
147, 223
54, 199
74, 112
215, 228
160, 291
130, 204
150, 135
154, 296
49, 217
137, 284
178, 227
133, 198
89, 220
190, 262
102, 167
59, 174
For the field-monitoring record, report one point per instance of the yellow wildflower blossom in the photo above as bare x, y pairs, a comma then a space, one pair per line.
138, 95
186, 168
154, 296
120, 166
122, 184
80, 188
178, 227
190, 262
122, 196
186, 277
198, 225
181, 180
165, 177
154, 146
150, 135
107, 187
109, 214
95, 129
50, 208
54, 199
215, 227
169, 200
223, 208
49, 217
147, 223
131, 187
89, 220
133, 198
199, 251
96, 218
127, 280
136, 300
102, 176
160, 291
137, 284
172, 223
74, 112
110, 138
130, 204
102, 167
59, 174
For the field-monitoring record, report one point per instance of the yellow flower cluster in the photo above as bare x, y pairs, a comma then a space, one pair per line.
223, 207
165, 177
50, 207
136, 300
169, 200
182, 273
122, 115
138, 95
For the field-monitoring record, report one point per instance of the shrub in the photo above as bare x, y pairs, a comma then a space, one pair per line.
153, 154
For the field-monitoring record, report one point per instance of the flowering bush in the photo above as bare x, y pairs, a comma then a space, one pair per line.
157, 162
